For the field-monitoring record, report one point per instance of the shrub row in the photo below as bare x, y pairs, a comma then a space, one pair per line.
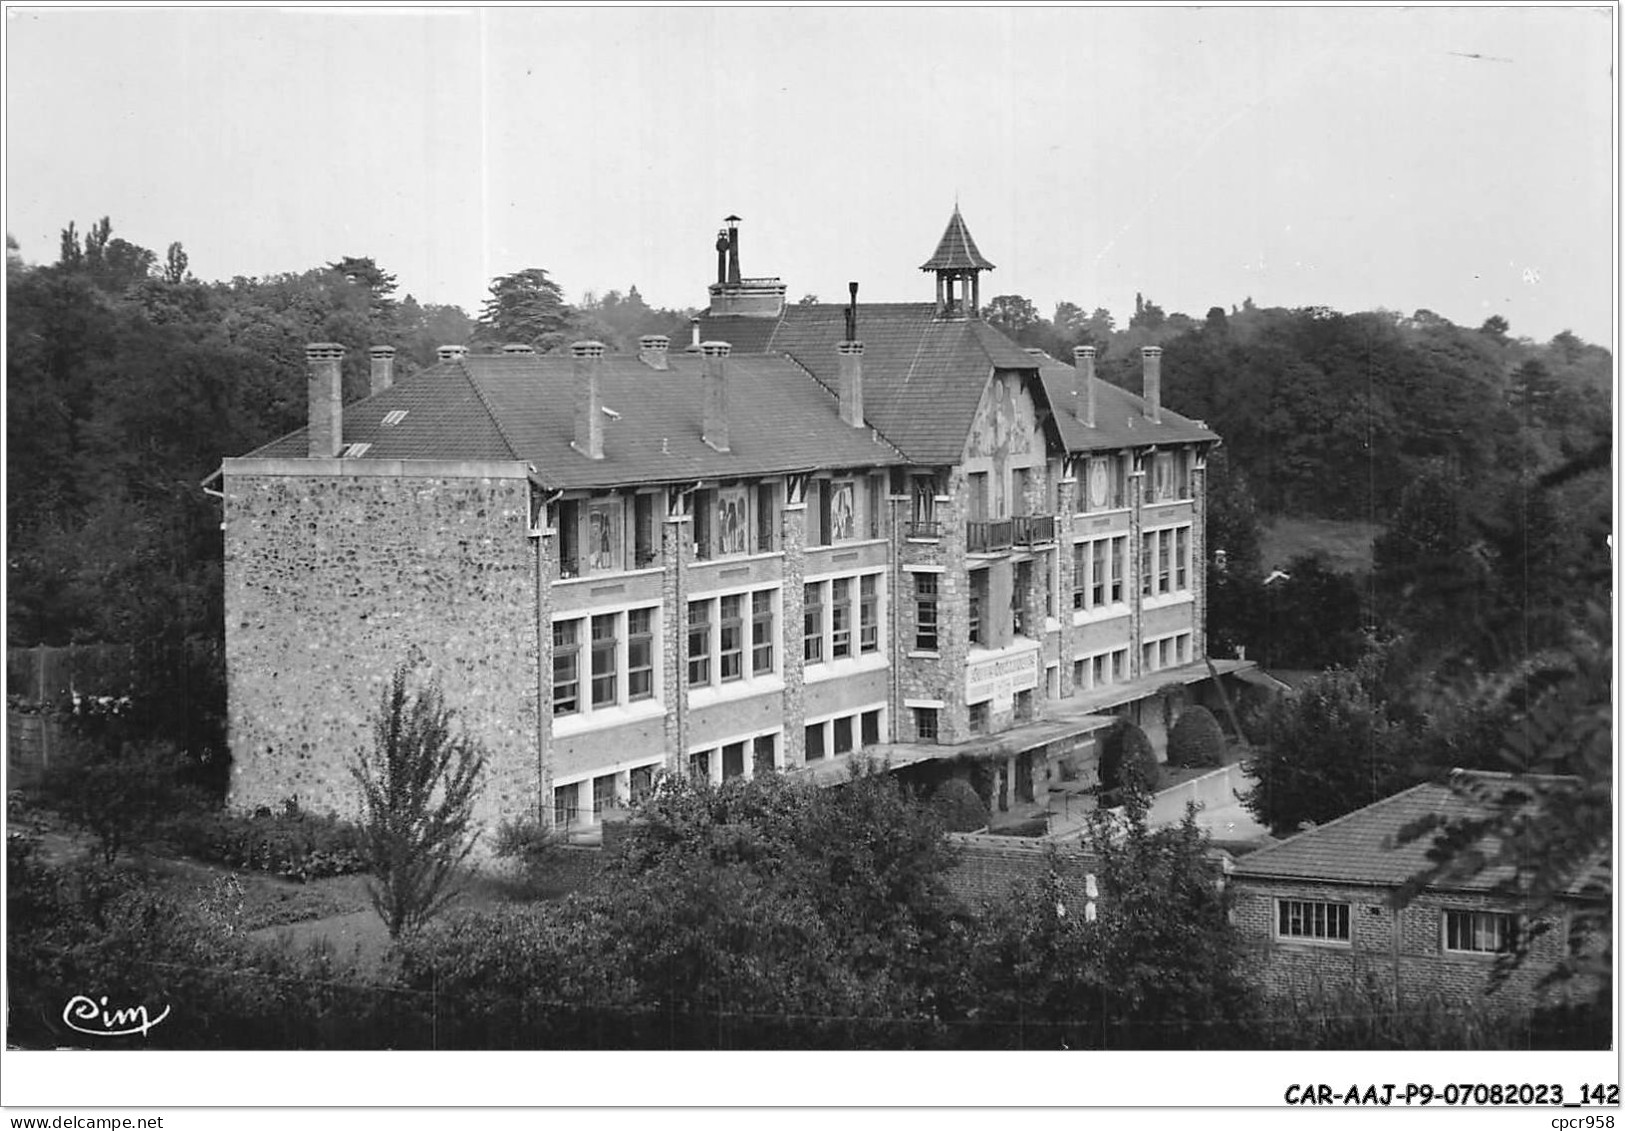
291, 843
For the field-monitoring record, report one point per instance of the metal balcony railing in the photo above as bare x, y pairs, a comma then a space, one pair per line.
924, 528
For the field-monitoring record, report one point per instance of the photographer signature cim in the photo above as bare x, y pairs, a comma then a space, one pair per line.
92, 1017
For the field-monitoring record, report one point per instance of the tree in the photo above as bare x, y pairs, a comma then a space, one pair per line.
1495, 327
1329, 748
175, 263
1312, 617
1128, 762
1014, 314
1147, 315
418, 783
527, 307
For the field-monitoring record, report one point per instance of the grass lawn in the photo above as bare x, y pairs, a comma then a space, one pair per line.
1346, 544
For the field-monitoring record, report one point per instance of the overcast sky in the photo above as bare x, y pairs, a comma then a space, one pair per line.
1454, 159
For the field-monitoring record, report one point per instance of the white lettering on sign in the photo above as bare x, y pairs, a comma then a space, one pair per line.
1001, 677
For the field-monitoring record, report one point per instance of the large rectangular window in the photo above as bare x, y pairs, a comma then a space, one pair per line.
1080, 575
840, 618
603, 793
733, 760
868, 613
925, 724
1478, 932
642, 782
1097, 578
812, 629
814, 736
978, 605
1148, 564
732, 649
925, 612
567, 517
567, 804
1119, 555
566, 667
605, 690
761, 632
869, 728
1165, 561
640, 654
1312, 921
699, 643
843, 735
764, 756
1182, 557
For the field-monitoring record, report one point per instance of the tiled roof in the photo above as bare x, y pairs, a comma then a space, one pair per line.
956, 249
518, 407
1361, 847
1120, 419
923, 378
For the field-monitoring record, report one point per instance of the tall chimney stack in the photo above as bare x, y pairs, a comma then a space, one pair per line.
518, 349
1151, 389
693, 335
1083, 363
715, 380
653, 350
324, 361
851, 354
733, 248
383, 368
588, 358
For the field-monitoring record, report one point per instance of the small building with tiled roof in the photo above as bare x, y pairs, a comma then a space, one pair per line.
1320, 908
812, 531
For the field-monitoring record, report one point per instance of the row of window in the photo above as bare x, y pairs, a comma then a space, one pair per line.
840, 618
573, 801
1464, 932
1166, 652
1097, 572
717, 642
1165, 557
619, 660
842, 734
1102, 670
721, 763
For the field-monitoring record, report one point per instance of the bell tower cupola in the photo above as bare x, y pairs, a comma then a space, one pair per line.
957, 265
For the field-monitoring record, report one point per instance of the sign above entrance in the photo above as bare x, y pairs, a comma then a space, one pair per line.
999, 677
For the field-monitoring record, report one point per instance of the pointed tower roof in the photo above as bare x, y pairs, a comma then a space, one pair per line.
956, 251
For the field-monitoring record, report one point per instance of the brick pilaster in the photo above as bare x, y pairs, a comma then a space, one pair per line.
547, 568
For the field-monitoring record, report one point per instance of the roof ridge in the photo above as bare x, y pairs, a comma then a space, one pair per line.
496, 419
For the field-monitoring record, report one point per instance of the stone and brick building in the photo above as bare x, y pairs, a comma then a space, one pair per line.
1317, 908
812, 530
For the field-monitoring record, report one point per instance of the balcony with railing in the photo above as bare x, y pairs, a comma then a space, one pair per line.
1018, 533
924, 528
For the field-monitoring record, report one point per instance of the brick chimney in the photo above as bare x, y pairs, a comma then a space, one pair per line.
324, 361
652, 350
383, 368
715, 380
452, 353
851, 355
1151, 389
1083, 362
518, 349
588, 358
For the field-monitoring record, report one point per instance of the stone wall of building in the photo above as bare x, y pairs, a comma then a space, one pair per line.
988, 868
333, 578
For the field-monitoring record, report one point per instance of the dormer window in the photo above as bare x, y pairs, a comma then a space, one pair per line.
355, 451
393, 418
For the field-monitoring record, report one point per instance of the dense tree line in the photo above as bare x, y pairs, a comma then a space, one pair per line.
129, 379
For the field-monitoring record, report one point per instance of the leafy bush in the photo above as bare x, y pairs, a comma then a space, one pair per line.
531, 851
1196, 739
1128, 760
292, 843
119, 791
961, 810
